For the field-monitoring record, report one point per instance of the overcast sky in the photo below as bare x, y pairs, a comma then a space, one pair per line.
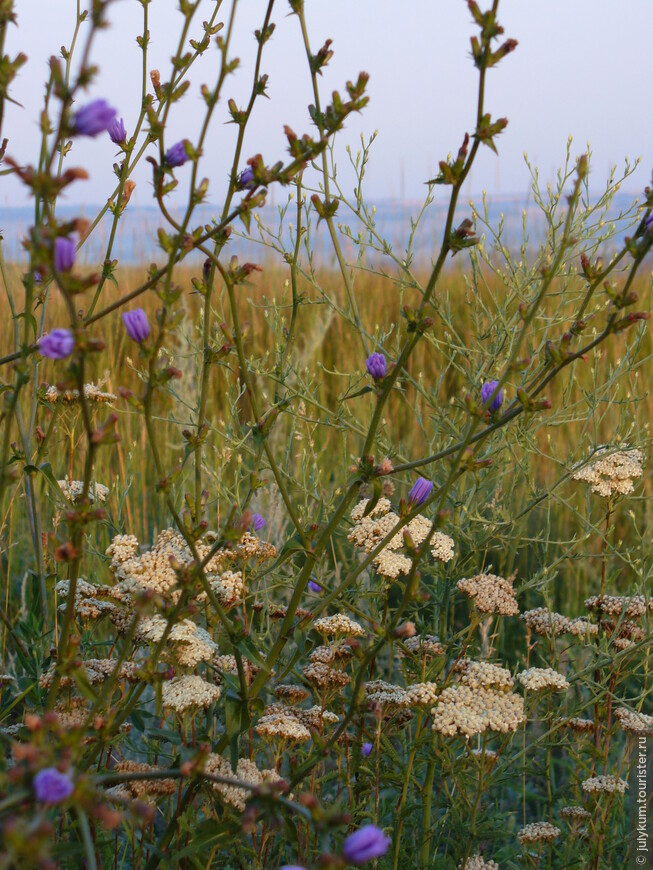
582, 68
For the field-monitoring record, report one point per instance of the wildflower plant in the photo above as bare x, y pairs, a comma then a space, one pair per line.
292, 580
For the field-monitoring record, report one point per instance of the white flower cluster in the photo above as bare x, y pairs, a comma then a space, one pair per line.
246, 772
290, 693
422, 694
477, 862
386, 694
613, 473
92, 393
540, 679
576, 814
314, 717
324, 677
635, 723
424, 645
466, 711
547, 623
491, 594
338, 624
188, 692
369, 531
634, 606
192, 644
72, 490
281, 726
538, 832
484, 675
608, 784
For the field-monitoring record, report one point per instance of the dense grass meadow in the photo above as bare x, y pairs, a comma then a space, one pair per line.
317, 561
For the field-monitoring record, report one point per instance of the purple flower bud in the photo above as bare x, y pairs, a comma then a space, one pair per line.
486, 391
136, 324
117, 131
258, 522
38, 278
246, 179
366, 749
64, 254
94, 118
57, 344
51, 786
376, 366
176, 155
313, 585
365, 844
421, 491
292, 867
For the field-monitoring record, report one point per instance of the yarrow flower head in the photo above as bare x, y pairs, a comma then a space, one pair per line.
176, 155
246, 179
486, 391
136, 324
51, 786
258, 522
64, 254
57, 344
376, 366
117, 132
365, 844
420, 492
94, 118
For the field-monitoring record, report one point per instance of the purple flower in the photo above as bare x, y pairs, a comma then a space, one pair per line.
117, 132
38, 278
51, 786
176, 155
94, 118
421, 491
376, 366
366, 749
292, 867
136, 324
57, 344
64, 254
648, 224
365, 844
246, 179
258, 522
313, 585
486, 391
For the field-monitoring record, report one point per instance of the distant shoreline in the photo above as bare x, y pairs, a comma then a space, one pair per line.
136, 239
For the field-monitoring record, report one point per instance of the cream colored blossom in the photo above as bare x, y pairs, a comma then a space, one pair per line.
246, 772
612, 473
422, 694
466, 711
338, 624
538, 832
192, 643
72, 490
282, 727
540, 679
188, 692
607, 784
635, 723
491, 594
575, 814
324, 677
484, 675
477, 862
